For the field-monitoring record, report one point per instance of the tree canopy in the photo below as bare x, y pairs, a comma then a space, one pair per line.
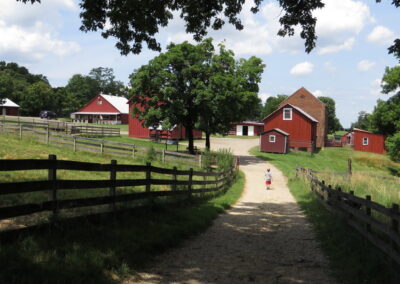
333, 122
272, 104
136, 22
192, 85
363, 121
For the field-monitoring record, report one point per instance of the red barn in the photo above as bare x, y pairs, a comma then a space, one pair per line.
301, 126
103, 109
274, 141
136, 129
348, 139
368, 142
247, 128
8, 107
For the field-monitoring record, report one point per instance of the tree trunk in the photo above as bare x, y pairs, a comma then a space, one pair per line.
208, 141
189, 135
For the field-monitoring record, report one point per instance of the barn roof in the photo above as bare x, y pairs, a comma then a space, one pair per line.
298, 109
120, 103
277, 130
365, 131
8, 103
303, 90
250, 122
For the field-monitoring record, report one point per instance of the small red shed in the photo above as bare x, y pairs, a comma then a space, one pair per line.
8, 107
247, 128
368, 142
348, 139
301, 126
274, 141
103, 109
137, 130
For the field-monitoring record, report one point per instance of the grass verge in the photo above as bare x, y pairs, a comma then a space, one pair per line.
352, 258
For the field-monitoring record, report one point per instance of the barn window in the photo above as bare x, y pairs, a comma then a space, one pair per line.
287, 114
365, 140
99, 102
272, 138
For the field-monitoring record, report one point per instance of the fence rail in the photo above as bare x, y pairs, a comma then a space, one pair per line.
62, 126
194, 182
377, 223
98, 146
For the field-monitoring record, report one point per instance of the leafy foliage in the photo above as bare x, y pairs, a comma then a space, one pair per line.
272, 104
385, 118
191, 85
363, 121
333, 122
393, 146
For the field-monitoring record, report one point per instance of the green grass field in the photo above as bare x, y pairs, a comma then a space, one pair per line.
102, 248
352, 258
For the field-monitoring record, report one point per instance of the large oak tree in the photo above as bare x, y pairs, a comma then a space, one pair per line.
192, 85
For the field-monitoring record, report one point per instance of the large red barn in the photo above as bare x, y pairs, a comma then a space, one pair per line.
103, 109
8, 107
136, 129
368, 142
301, 126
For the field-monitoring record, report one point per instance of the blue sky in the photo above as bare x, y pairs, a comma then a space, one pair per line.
347, 64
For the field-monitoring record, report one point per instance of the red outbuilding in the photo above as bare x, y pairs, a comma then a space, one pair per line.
368, 142
348, 139
247, 128
8, 107
103, 109
301, 126
136, 129
274, 141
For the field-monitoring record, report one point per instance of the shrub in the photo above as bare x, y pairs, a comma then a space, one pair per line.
224, 159
393, 146
151, 154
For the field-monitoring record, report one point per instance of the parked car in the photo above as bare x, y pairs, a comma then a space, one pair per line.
47, 114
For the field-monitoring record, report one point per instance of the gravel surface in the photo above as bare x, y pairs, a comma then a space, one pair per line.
264, 238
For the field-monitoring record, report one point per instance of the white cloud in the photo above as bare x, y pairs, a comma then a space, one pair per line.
376, 82
264, 96
317, 93
365, 65
303, 68
29, 32
381, 35
347, 45
329, 67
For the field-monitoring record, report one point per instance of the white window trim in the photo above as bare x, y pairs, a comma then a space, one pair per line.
272, 138
365, 141
99, 102
291, 113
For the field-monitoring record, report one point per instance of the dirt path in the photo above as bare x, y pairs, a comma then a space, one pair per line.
264, 238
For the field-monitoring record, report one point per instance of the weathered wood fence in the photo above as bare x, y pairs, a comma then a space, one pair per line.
77, 143
61, 126
377, 223
187, 183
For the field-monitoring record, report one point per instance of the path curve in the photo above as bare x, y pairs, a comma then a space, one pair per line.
264, 238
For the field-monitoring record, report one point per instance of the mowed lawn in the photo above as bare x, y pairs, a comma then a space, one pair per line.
102, 248
352, 258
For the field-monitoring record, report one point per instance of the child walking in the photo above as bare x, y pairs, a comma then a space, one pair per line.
268, 179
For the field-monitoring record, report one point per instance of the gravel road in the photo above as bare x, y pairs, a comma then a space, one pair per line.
264, 238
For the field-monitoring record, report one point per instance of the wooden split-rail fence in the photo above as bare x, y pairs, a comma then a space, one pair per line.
377, 223
189, 183
98, 146
61, 126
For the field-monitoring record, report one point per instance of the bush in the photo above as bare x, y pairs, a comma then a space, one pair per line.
151, 154
393, 146
223, 159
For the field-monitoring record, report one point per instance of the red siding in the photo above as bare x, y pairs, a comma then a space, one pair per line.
10, 111
93, 106
376, 142
302, 130
136, 129
280, 145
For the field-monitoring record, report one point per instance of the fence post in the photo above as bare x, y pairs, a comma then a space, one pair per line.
190, 183
48, 134
133, 151
349, 167
163, 155
200, 161
174, 178
20, 132
74, 144
148, 177
368, 212
102, 147
113, 177
52, 177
